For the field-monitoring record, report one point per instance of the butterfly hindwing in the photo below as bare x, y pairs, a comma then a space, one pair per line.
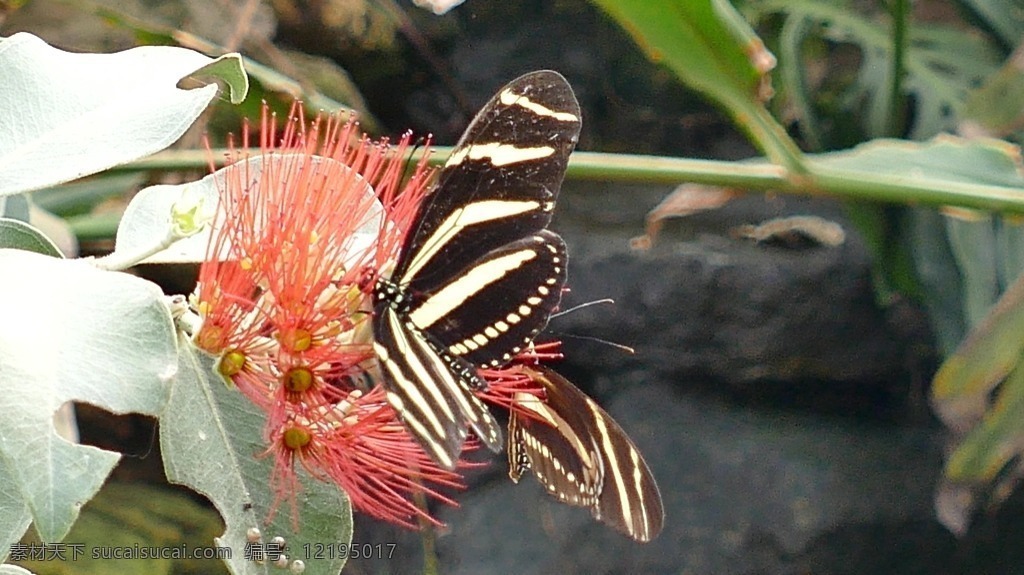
583, 457
555, 446
478, 274
630, 498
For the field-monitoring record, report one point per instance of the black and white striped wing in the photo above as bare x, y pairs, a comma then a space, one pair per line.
429, 389
500, 183
497, 188
582, 457
479, 274
494, 308
565, 462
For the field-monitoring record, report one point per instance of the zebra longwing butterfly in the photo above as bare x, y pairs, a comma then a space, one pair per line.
479, 273
582, 457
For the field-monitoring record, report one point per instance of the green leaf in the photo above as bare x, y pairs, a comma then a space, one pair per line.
18, 235
212, 440
980, 468
936, 269
794, 82
882, 227
974, 247
943, 159
696, 41
93, 110
71, 332
133, 515
961, 388
941, 64
995, 108
1005, 17
14, 207
987, 449
1010, 250
229, 69
319, 83
712, 49
959, 263
15, 515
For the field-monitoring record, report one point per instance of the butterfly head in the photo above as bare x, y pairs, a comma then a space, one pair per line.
368, 279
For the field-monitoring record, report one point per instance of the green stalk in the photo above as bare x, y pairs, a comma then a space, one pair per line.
756, 175
770, 136
900, 16
907, 191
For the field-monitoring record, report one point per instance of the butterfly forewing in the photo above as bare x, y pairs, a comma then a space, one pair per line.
630, 498
571, 442
503, 300
507, 168
478, 274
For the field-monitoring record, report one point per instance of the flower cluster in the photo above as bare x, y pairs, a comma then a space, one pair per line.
285, 304
285, 293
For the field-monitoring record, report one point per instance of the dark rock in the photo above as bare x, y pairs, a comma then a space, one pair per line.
745, 491
702, 304
793, 485
742, 490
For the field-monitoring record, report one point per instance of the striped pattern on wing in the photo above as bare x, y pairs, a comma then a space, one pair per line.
582, 457
441, 410
478, 274
496, 319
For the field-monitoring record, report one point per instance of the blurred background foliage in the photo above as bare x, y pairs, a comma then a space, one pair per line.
796, 79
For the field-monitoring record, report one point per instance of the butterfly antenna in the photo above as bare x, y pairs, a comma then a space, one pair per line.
582, 306
410, 162
618, 346
585, 305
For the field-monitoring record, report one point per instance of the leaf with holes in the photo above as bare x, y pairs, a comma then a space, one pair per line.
71, 332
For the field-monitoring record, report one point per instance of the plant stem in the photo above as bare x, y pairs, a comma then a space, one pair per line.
117, 261
754, 175
900, 16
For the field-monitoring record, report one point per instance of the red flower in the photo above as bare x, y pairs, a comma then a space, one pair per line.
286, 295
504, 383
360, 444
